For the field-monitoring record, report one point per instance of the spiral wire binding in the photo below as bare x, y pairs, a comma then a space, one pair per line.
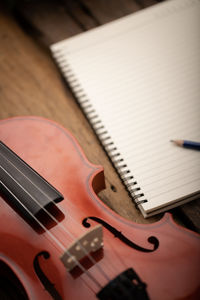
103, 135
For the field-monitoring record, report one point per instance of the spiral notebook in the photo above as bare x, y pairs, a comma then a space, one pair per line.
137, 81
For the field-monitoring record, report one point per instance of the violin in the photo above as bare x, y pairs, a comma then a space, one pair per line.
60, 241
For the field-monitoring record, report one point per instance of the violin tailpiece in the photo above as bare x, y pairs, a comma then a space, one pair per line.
91, 241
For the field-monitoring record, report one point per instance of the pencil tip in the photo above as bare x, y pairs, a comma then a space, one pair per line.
177, 142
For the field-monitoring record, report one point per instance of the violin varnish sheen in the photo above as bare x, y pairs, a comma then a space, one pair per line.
24, 188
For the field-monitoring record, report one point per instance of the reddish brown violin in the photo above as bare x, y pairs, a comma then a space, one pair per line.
59, 241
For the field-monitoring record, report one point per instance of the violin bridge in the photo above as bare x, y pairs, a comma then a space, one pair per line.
91, 241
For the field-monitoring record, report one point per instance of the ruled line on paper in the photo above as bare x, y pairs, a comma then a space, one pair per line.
190, 182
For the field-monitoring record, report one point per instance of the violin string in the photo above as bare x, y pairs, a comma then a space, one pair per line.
118, 257
53, 237
54, 219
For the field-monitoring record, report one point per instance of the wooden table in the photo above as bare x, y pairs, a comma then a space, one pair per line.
31, 84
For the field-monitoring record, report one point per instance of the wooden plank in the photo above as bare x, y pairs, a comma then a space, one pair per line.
30, 84
49, 19
80, 14
105, 11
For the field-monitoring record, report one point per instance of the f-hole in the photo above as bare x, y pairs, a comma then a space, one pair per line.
48, 285
117, 234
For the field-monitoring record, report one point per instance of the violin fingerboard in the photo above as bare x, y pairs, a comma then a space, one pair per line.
22, 186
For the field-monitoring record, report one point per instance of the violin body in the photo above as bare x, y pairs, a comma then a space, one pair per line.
170, 272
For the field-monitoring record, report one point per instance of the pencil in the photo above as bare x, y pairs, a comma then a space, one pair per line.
187, 144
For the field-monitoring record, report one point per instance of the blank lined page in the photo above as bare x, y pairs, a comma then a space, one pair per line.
137, 79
